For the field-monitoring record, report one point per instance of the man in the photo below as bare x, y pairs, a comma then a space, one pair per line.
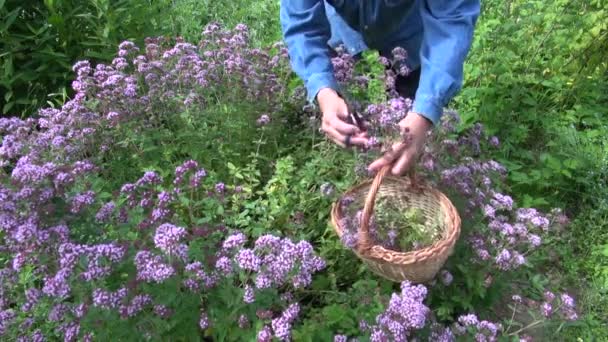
436, 34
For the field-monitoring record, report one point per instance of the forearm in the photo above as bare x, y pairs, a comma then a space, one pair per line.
448, 34
306, 31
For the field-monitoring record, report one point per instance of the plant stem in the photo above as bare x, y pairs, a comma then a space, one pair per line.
531, 325
511, 320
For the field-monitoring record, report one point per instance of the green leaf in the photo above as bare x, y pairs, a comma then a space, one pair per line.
334, 314
7, 107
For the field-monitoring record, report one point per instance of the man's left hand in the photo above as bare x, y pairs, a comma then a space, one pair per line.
404, 155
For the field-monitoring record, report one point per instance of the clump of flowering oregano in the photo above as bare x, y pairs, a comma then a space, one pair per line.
127, 275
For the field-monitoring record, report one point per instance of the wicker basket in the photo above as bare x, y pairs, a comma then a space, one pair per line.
417, 266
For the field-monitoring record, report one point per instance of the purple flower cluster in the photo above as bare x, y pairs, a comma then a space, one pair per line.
152, 268
167, 239
281, 326
483, 330
405, 313
108, 300
48, 205
552, 306
344, 67
511, 232
385, 117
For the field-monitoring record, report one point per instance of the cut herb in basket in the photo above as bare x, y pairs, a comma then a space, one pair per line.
391, 226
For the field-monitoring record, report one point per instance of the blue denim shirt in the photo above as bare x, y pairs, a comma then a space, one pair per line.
436, 34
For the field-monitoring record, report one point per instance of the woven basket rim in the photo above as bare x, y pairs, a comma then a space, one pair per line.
439, 247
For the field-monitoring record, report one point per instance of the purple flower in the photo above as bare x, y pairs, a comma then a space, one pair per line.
224, 265
399, 53
104, 214
548, 296
234, 240
196, 179
108, 300
267, 241
263, 120
349, 240
546, 309
167, 239
81, 201
57, 286
150, 268
6, 317
136, 305
534, 240
162, 311
265, 335
203, 322
468, 320
32, 296
247, 260
149, 178
80, 310
405, 313
503, 260
340, 338
567, 300
518, 259
248, 295
70, 331
281, 328
489, 211
502, 201
243, 322
58, 312
446, 277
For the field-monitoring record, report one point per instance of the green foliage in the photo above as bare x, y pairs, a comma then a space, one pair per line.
187, 17
536, 77
40, 40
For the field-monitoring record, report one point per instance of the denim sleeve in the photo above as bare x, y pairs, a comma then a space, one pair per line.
448, 34
306, 32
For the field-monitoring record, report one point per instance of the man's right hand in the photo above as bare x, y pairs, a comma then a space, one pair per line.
335, 116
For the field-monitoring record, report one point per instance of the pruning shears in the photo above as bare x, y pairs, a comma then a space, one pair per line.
354, 118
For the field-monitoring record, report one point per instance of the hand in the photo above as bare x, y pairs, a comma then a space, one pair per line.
403, 155
334, 124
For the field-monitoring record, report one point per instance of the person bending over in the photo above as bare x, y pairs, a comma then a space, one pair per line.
436, 34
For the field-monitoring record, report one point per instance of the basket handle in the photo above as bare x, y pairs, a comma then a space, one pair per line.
364, 240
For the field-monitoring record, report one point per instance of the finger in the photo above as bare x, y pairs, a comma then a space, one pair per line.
340, 139
337, 142
344, 127
358, 141
362, 135
403, 124
387, 158
343, 114
404, 162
